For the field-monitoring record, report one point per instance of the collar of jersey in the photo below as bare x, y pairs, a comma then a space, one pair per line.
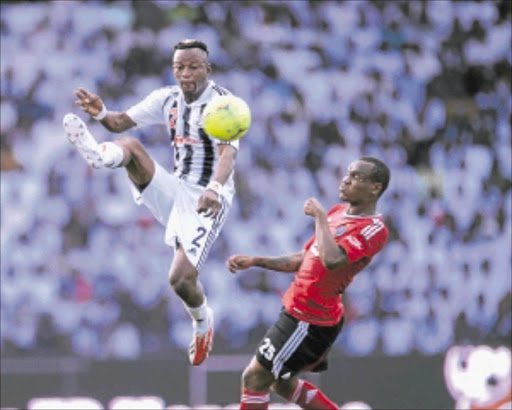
361, 216
204, 97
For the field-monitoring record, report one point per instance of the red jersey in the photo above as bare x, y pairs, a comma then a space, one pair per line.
314, 296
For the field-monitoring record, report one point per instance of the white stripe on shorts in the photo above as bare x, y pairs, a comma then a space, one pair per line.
217, 224
298, 335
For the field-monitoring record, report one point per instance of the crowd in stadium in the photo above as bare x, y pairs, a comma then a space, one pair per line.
425, 86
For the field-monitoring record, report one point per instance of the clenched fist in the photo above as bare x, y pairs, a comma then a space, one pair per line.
313, 208
239, 262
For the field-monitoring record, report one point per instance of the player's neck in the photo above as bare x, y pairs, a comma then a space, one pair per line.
361, 209
191, 97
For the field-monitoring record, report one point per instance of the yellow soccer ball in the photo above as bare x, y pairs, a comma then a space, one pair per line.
226, 118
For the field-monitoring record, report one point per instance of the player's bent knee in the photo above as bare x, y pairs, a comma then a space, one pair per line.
248, 378
182, 283
256, 378
176, 281
133, 146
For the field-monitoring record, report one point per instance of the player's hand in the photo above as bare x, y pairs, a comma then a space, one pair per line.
313, 208
209, 204
90, 103
239, 262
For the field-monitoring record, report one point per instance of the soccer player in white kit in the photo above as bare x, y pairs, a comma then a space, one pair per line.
193, 201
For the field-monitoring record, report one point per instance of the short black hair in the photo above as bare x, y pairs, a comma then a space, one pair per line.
189, 43
380, 172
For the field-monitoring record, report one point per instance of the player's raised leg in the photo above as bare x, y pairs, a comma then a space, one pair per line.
183, 277
125, 152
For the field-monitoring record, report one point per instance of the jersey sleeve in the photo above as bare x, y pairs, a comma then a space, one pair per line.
364, 242
150, 110
336, 208
309, 243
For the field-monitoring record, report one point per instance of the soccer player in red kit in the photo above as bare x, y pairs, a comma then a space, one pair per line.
345, 241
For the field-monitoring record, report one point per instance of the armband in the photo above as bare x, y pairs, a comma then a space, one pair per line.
215, 187
102, 114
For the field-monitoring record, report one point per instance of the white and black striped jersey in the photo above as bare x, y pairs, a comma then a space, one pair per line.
195, 153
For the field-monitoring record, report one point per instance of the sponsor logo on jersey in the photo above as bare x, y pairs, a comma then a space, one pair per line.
180, 141
354, 242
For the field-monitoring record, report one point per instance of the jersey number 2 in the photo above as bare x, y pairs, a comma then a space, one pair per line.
202, 232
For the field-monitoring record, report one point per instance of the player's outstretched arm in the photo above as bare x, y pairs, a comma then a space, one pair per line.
286, 263
93, 105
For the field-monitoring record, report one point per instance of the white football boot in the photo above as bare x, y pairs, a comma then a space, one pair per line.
201, 344
78, 134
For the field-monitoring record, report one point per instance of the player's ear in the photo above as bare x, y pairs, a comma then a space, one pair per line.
208, 68
377, 189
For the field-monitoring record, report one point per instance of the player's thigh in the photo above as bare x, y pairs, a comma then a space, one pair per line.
181, 267
194, 232
256, 378
159, 195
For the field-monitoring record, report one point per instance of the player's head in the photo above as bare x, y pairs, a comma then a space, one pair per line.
366, 180
380, 172
191, 67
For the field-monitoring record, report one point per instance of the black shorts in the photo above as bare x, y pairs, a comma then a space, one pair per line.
291, 346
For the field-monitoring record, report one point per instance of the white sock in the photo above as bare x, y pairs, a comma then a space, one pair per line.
111, 154
200, 316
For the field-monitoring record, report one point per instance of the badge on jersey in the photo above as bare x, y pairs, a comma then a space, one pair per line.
340, 230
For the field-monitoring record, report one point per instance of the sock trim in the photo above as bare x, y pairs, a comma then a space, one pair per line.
249, 396
296, 393
195, 312
111, 154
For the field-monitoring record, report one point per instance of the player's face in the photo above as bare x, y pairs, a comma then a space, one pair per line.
357, 187
191, 70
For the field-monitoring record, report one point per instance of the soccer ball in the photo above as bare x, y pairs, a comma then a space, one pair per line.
226, 118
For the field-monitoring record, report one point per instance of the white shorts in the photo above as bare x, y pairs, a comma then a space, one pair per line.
173, 202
